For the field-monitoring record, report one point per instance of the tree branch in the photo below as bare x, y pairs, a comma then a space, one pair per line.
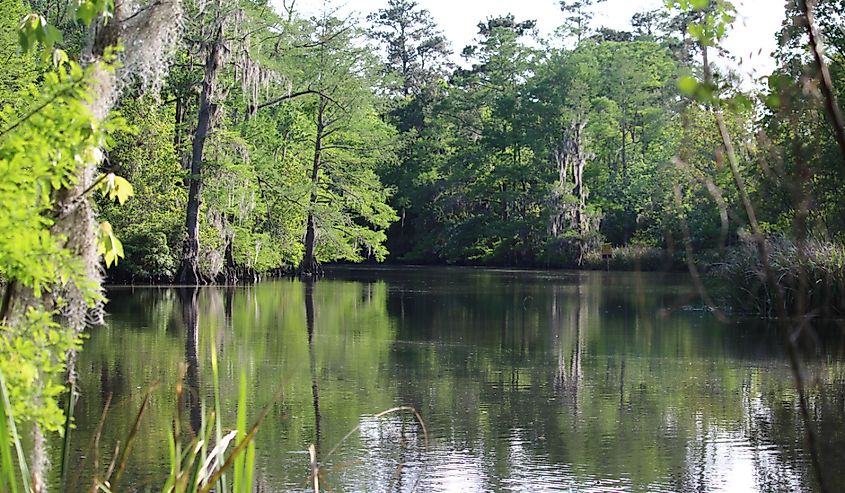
288, 97
831, 104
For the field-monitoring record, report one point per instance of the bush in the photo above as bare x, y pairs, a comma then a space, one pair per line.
148, 256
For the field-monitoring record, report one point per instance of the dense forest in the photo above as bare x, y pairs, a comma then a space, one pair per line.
279, 142
204, 141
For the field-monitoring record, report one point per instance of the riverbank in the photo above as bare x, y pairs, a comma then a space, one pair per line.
737, 276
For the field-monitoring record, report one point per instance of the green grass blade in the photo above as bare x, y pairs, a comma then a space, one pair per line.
71, 405
218, 422
174, 461
198, 458
12, 432
8, 482
249, 467
206, 429
241, 446
238, 486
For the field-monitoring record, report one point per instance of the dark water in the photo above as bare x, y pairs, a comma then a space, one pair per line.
526, 382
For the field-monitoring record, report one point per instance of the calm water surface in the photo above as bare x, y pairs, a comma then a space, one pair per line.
527, 381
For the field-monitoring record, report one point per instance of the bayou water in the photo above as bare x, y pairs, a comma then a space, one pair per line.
526, 381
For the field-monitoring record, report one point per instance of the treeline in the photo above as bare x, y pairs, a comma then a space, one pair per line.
280, 142
537, 154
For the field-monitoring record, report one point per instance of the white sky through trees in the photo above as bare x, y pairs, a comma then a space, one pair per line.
754, 30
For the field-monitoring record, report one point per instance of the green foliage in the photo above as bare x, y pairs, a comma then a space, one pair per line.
35, 29
822, 290
148, 225
18, 70
257, 158
115, 188
479, 180
9, 440
635, 258
42, 149
88, 10
427, 162
34, 351
39, 30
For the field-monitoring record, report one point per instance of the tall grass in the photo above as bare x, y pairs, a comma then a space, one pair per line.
635, 258
10, 474
200, 461
812, 276
198, 464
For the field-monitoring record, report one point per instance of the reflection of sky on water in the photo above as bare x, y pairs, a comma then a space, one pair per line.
725, 461
392, 457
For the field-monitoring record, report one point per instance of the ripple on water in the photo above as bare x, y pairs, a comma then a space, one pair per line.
721, 460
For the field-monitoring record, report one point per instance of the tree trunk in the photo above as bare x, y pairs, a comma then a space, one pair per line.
230, 271
77, 219
626, 213
579, 161
189, 271
309, 266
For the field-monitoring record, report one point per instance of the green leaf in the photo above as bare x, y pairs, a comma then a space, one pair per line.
108, 245
697, 31
51, 35
86, 11
116, 187
122, 190
741, 102
688, 85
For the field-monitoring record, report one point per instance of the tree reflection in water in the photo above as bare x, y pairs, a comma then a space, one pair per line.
526, 381
312, 359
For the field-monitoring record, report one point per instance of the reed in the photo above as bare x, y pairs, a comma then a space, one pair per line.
811, 275
11, 474
635, 258
198, 464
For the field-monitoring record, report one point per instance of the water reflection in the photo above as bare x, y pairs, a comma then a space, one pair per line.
312, 358
527, 381
190, 320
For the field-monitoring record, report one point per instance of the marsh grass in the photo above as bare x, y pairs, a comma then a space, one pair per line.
198, 463
635, 258
821, 265
11, 474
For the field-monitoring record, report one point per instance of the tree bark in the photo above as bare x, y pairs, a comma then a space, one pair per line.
309, 266
189, 271
77, 219
626, 220
578, 157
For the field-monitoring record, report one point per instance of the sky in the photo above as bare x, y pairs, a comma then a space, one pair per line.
757, 22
